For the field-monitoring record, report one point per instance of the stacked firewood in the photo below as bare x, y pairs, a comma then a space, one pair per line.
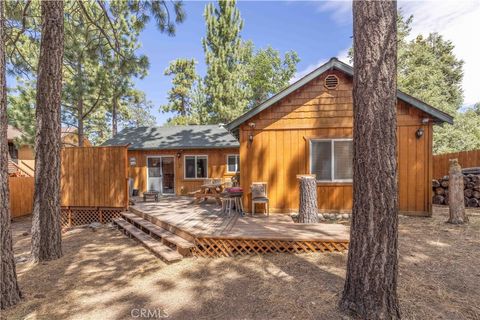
471, 184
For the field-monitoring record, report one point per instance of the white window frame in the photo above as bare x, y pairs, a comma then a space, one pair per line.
238, 162
332, 142
185, 166
174, 171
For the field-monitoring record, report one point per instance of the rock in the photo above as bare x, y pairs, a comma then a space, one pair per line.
321, 217
25, 233
95, 225
346, 216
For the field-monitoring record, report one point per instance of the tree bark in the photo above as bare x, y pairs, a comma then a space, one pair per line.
370, 290
80, 122
46, 229
308, 209
114, 115
456, 200
10, 290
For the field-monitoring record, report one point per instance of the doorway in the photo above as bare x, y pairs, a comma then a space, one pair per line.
161, 174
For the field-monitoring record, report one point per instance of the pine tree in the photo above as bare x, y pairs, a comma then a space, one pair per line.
46, 228
224, 56
9, 289
184, 77
370, 290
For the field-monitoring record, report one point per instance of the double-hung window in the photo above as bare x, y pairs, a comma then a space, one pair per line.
196, 167
332, 160
233, 163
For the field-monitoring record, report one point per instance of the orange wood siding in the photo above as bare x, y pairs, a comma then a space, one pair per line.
94, 177
21, 195
280, 148
466, 159
217, 167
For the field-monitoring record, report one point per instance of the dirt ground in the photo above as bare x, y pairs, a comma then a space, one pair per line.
105, 275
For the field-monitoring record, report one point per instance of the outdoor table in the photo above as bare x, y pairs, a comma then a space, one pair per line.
209, 190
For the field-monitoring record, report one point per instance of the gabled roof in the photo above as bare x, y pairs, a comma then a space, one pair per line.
174, 137
13, 133
334, 63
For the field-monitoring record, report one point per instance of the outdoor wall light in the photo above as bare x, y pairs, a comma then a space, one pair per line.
250, 138
419, 133
179, 154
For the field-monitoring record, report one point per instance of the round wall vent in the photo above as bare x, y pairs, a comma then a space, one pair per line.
331, 82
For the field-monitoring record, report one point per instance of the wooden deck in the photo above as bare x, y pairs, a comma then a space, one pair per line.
217, 234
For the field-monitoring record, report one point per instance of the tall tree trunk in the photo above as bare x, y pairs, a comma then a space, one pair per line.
80, 113
9, 286
46, 229
370, 290
80, 122
114, 114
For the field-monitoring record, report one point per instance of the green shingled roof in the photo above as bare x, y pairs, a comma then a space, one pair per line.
174, 137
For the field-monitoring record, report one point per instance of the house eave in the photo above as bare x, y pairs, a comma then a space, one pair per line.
333, 63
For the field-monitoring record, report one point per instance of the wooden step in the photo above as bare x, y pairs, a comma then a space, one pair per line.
157, 247
163, 224
159, 231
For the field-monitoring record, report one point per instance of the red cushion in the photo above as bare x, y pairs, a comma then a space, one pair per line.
234, 189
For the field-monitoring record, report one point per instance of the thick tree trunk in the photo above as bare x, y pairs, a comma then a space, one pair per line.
308, 209
9, 286
80, 122
370, 290
46, 229
456, 201
114, 115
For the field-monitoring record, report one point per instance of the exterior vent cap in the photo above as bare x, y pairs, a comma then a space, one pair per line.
331, 82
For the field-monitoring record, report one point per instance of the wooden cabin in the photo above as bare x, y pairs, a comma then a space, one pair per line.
176, 160
307, 129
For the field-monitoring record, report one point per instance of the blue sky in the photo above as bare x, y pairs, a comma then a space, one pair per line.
314, 33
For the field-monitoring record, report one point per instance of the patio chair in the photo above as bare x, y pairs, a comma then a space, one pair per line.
259, 195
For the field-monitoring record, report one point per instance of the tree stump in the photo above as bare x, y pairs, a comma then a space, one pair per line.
455, 195
308, 208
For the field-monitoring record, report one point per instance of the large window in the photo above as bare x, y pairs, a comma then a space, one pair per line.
233, 163
332, 160
196, 167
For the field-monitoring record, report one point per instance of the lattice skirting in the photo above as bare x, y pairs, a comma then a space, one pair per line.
212, 247
77, 216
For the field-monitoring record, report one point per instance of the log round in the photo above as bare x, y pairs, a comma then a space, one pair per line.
308, 208
444, 183
435, 184
438, 199
439, 191
472, 203
476, 194
468, 193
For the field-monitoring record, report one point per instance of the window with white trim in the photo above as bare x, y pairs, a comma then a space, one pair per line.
233, 163
332, 160
196, 167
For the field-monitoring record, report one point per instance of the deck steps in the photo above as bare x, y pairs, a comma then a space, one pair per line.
160, 232
154, 245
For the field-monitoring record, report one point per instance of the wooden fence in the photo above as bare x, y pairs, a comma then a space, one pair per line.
94, 184
21, 195
466, 159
